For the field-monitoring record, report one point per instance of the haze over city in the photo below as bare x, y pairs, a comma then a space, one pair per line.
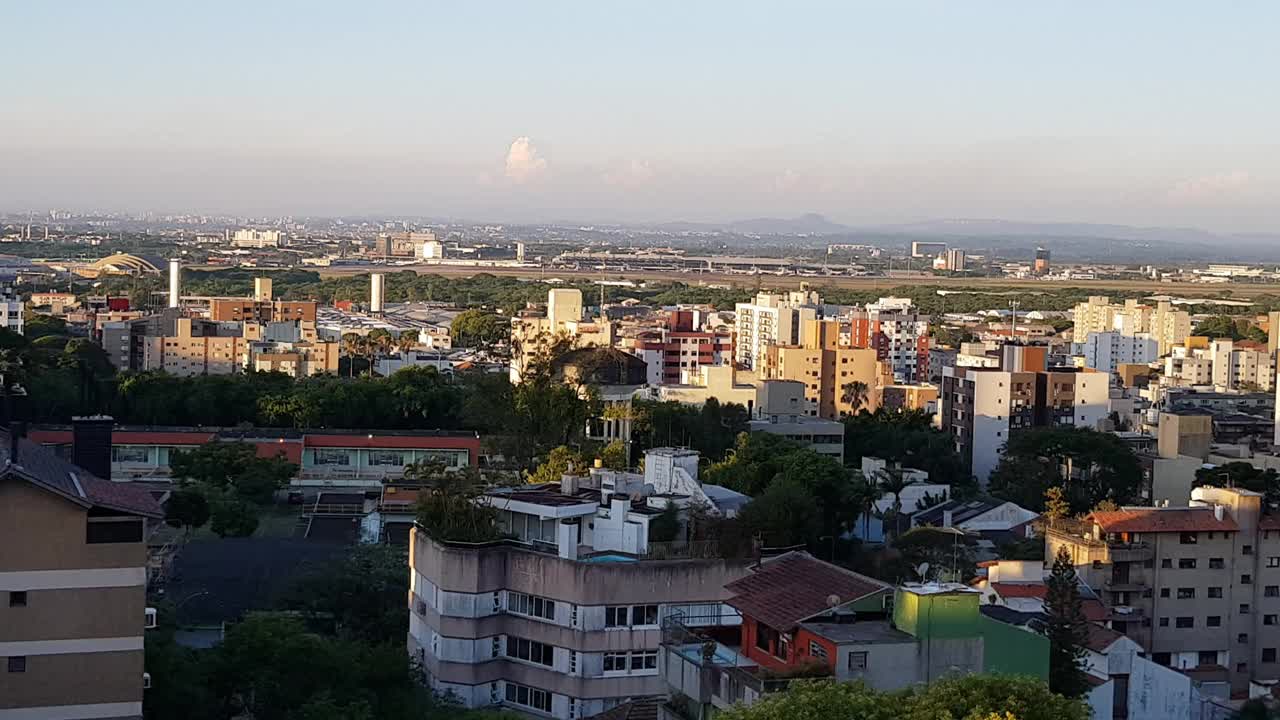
867, 113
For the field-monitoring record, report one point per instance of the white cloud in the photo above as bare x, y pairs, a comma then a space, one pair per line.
1211, 187
786, 182
523, 161
636, 172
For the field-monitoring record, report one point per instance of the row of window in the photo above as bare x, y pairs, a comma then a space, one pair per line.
531, 605
1185, 621
535, 698
625, 662
622, 616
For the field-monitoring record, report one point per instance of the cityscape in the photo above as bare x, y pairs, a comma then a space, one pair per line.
623, 398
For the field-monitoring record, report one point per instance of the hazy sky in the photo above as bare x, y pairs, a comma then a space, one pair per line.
1155, 113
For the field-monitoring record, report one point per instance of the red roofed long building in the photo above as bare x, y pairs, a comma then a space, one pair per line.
344, 458
1198, 587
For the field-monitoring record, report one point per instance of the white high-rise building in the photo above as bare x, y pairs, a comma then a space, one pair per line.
175, 283
1167, 326
11, 311
1106, 350
250, 238
772, 319
432, 250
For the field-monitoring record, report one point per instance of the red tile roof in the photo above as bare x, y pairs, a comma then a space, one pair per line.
1094, 610
1269, 522
1100, 638
793, 587
1020, 590
1163, 520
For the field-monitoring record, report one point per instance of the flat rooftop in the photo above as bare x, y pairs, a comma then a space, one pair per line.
867, 632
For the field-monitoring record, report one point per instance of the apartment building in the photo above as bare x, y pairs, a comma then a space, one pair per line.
565, 619
828, 369
257, 239
771, 319
897, 332
11, 312
73, 573
1198, 586
300, 359
781, 409
1242, 365
198, 348
1167, 326
1106, 351
262, 310
533, 332
681, 347
982, 407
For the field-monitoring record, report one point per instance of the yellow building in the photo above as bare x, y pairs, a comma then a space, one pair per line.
191, 352
533, 333
829, 371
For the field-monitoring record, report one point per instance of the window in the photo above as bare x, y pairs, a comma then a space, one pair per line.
1271, 591
1213, 621
1243, 638
1268, 655
644, 614
1246, 579
1164, 622
1242, 667
1244, 608
531, 605
1187, 538
766, 637
1186, 593
1185, 622
1166, 563
1186, 563
332, 457
617, 616
530, 651
104, 530
18, 664
1161, 658
18, 598
573, 662
644, 660
1246, 549
1215, 592
615, 662
1273, 562
386, 457
1207, 657
816, 650
529, 697
1215, 563
857, 661
634, 661
1269, 619
1164, 592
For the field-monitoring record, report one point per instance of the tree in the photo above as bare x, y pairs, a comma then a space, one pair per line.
451, 508
363, 591
559, 461
783, 515
1056, 506
1066, 627
1089, 466
855, 395
1242, 475
665, 527
476, 328
232, 516
956, 697
1221, 326
891, 481
234, 466
614, 456
948, 552
187, 508
907, 438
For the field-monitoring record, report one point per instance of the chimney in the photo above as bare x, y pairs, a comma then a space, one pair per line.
946, 518
175, 282
91, 443
377, 289
1218, 512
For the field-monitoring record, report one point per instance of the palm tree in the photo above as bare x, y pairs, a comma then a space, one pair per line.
854, 394
352, 345
892, 481
865, 495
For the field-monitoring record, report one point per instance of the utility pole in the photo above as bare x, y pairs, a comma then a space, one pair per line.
1013, 327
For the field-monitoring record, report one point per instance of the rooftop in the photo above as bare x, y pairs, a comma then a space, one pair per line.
793, 587
45, 468
1147, 519
865, 632
961, 510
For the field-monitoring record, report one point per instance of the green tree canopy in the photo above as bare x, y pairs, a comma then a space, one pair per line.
477, 328
1244, 476
363, 591
1089, 466
907, 439
1066, 627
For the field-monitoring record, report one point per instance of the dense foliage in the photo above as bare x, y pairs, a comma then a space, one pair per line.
224, 483
1242, 475
1090, 467
908, 439
1066, 627
1230, 328
971, 697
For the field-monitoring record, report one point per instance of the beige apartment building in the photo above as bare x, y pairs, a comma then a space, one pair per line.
73, 572
1167, 326
296, 359
1198, 587
189, 351
534, 332
826, 367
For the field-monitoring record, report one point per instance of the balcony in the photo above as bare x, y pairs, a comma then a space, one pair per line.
1128, 585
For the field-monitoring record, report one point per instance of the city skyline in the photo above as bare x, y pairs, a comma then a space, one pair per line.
655, 114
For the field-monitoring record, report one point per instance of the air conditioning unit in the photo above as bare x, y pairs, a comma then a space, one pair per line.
146, 681
151, 619
419, 607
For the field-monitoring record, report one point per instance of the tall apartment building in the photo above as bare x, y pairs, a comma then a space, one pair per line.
1041, 266
11, 310
897, 332
771, 319
73, 573
564, 621
1105, 351
403, 243
982, 407
1166, 325
199, 347
262, 310
297, 359
827, 368
533, 331
681, 347
249, 238
1198, 587
1242, 365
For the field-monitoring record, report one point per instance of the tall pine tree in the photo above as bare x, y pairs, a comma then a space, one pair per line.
1067, 629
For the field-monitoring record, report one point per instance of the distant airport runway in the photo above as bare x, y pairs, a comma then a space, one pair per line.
1181, 289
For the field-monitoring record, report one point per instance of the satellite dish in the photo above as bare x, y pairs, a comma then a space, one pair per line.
922, 569
833, 600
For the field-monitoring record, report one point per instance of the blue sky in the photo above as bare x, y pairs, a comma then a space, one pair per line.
1155, 113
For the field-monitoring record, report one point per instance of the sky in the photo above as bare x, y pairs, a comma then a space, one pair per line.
1145, 113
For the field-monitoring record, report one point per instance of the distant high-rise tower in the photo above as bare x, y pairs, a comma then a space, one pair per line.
175, 282
519, 252
377, 291
1042, 261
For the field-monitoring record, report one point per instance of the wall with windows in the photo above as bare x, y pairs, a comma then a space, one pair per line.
389, 461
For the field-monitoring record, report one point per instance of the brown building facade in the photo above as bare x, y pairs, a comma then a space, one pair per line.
262, 311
